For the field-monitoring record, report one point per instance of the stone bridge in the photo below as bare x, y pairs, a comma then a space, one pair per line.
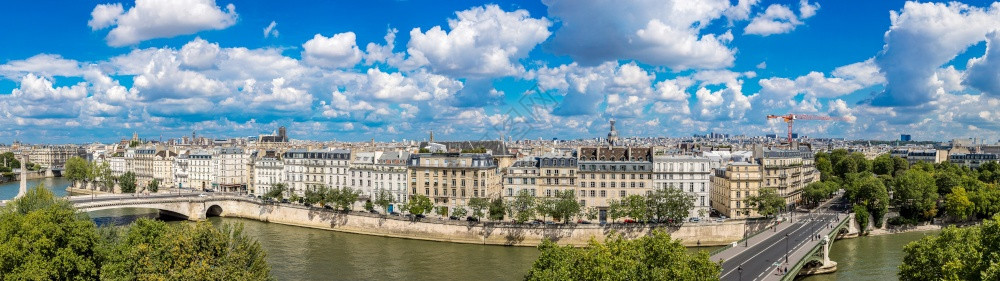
185, 206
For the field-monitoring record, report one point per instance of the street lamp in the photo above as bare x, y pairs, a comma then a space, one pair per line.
786, 248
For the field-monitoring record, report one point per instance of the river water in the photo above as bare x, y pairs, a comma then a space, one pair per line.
297, 253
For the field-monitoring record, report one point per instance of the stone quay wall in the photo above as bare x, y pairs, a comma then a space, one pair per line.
690, 234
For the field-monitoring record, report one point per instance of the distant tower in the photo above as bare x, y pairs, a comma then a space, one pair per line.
432, 137
282, 134
193, 136
135, 136
613, 134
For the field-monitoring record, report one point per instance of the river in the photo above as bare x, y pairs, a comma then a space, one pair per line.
297, 253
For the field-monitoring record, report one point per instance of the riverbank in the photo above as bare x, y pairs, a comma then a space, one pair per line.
486, 233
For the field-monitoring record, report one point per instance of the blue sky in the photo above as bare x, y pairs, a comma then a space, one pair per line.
83, 71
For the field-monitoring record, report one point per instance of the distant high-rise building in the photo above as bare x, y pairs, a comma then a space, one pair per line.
771, 136
904, 137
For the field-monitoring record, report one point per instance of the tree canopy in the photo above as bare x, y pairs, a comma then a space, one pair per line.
44, 238
127, 182
767, 202
968, 253
653, 257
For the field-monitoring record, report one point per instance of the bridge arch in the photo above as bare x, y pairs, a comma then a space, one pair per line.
213, 211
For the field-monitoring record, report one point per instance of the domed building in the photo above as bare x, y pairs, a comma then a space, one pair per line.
613, 134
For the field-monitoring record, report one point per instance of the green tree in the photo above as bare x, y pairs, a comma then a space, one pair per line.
497, 209
383, 199
883, 165
344, 197
871, 194
43, 238
968, 253
76, 169
915, 193
127, 182
103, 171
419, 205
670, 204
767, 202
653, 257
591, 213
478, 206
814, 193
565, 206
153, 250
459, 212
838, 154
899, 165
861, 216
314, 195
946, 180
522, 207
825, 169
616, 209
957, 204
369, 206
635, 207
277, 191
153, 186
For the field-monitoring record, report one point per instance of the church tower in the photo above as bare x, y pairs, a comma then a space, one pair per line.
613, 134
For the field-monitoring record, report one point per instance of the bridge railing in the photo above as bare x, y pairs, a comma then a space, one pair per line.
794, 271
730, 245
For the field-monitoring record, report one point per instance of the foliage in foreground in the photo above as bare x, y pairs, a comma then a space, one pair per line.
654, 257
43, 238
970, 253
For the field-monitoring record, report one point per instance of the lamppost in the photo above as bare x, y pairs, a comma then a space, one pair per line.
786, 248
746, 239
740, 270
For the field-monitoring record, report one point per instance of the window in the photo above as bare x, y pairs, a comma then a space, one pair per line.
621, 193
604, 193
591, 193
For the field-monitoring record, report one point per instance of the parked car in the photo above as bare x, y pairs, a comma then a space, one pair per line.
719, 220
420, 216
583, 222
373, 211
629, 221
454, 218
471, 218
394, 213
307, 204
284, 201
328, 207
694, 220
202, 195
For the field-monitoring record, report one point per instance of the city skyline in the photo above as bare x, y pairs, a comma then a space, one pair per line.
394, 70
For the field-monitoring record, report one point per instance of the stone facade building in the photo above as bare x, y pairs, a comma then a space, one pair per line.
732, 185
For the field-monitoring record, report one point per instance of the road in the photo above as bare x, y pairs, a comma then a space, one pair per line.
767, 252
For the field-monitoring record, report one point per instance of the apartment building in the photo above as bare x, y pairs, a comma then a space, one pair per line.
542, 176
313, 169
690, 174
51, 156
972, 160
391, 175
163, 167
180, 170
607, 173
201, 169
788, 171
267, 171
732, 185
232, 172
451, 179
362, 172
140, 161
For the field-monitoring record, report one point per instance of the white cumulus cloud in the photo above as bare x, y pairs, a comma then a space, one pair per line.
150, 19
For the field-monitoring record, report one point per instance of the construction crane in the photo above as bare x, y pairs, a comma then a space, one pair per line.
790, 118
